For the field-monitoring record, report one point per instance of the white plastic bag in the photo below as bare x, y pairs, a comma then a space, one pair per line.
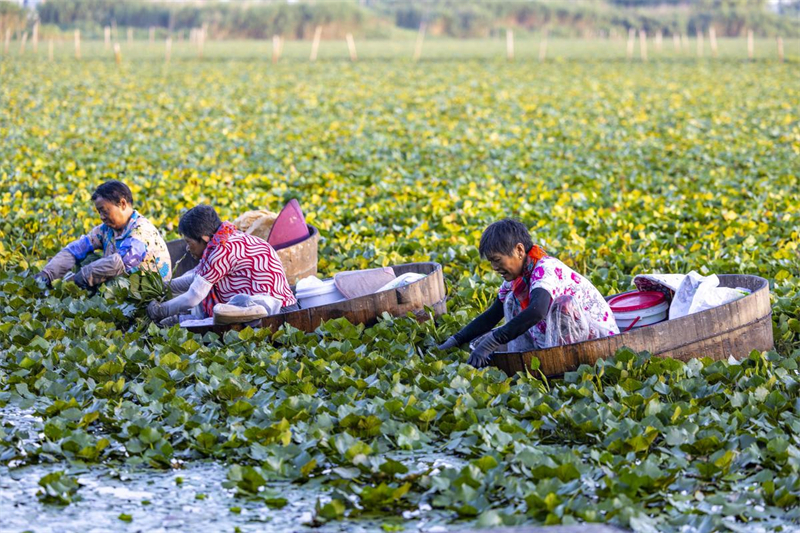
272, 305
697, 293
566, 322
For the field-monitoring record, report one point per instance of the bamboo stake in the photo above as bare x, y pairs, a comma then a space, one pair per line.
780, 49
631, 38
510, 45
750, 45
77, 44
130, 35
676, 42
22, 43
35, 38
712, 39
351, 45
167, 49
117, 54
700, 44
276, 48
315, 44
543, 46
50, 49
152, 34
659, 41
643, 44
420, 42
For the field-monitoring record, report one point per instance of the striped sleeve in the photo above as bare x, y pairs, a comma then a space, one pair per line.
218, 265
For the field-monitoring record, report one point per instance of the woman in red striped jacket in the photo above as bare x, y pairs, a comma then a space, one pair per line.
231, 263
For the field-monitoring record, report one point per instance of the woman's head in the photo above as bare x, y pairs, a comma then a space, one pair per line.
506, 244
198, 225
114, 203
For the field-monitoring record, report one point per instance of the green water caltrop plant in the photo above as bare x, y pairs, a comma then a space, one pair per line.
618, 169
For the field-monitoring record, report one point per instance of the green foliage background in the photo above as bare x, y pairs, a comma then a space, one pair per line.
618, 168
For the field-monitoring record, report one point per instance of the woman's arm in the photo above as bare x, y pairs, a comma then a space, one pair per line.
532, 315
198, 290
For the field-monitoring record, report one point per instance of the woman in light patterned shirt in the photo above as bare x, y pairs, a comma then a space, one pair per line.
128, 241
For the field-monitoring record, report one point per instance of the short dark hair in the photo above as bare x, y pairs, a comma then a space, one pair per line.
113, 191
199, 221
501, 237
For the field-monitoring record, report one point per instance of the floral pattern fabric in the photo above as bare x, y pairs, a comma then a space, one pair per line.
559, 280
139, 244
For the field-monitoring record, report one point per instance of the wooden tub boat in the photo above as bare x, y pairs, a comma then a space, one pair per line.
299, 260
734, 329
412, 298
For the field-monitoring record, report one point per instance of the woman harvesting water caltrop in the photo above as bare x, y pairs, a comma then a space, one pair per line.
543, 301
128, 240
231, 263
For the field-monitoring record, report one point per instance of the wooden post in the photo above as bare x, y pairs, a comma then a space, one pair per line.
152, 34
130, 35
117, 54
543, 46
643, 44
50, 49
750, 45
22, 43
712, 39
167, 49
676, 42
276, 48
700, 44
659, 41
631, 38
77, 44
107, 32
780, 49
351, 45
420, 42
35, 38
315, 44
510, 45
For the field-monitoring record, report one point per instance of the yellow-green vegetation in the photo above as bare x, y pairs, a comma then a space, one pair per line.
617, 168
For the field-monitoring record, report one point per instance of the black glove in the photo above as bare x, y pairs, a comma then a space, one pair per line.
156, 311
482, 353
79, 280
449, 343
43, 280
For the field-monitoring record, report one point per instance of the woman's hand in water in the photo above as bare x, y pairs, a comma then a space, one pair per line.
482, 353
449, 343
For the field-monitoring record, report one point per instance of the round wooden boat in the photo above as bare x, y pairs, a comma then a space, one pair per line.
412, 298
299, 260
731, 330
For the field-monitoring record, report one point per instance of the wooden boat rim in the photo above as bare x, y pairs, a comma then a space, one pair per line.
763, 286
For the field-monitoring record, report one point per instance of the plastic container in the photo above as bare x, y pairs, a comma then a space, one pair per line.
638, 309
313, 292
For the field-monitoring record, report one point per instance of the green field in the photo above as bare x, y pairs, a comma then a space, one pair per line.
617, 167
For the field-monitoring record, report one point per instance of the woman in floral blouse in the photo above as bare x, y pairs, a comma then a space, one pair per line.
128, 240
544, 302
